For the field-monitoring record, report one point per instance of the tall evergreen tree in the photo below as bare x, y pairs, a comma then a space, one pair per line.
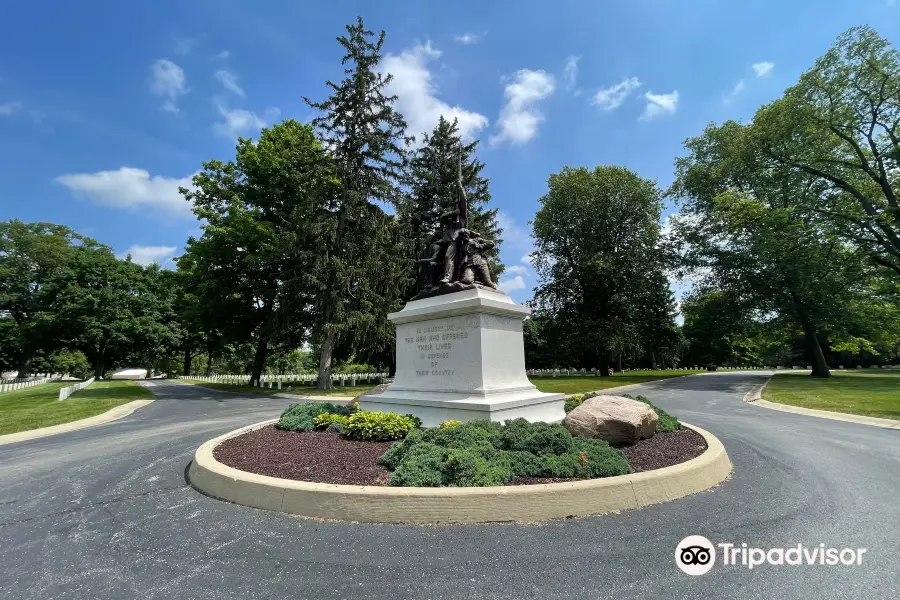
436, 170
366, 139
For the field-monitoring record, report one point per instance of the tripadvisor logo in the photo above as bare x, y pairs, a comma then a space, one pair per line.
696, 555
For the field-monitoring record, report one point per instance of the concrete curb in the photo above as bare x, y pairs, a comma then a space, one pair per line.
112, 414
522, 503
754, 397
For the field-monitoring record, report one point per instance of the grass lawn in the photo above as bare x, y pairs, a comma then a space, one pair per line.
580, 385
298, 390
874, 393
38, 406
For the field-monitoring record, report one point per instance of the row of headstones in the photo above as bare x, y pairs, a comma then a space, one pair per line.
69, 390
279, 381
594, 372
18, 384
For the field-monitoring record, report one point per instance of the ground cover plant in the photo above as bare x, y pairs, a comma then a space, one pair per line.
486, 453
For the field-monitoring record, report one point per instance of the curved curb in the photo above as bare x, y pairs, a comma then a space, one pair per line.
112, 414
522, 503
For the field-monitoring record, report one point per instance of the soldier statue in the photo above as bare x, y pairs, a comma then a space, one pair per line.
455, 254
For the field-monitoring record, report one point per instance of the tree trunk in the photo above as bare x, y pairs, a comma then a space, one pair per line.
324, 380
392, 368
188, 359
619, 368
602, 364
259, 359
98, 367
816, 356
25, 365
652, 360
209, 362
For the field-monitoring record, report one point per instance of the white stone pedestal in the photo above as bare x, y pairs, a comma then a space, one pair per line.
462, 356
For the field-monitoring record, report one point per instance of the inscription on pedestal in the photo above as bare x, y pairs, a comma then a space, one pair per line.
438, 347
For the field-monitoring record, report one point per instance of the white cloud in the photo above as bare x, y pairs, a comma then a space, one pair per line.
168, 82
738, 88
184, 46
468, 38
763, 69
517, 269
614, 96
237, 121
527, 259
229, 82
519, 118
131, 188
416, 93
223, 55
147, 255
10, 108
660, 104
513, 283
570, 73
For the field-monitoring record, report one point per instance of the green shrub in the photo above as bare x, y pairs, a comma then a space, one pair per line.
667, 423
466, 468
301, 417
480, 453
378, 426
537, 438
417, 422
325, 420
421, 467
398, 450
450, 423
573, 402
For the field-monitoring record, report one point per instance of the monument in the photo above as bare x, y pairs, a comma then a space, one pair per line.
460, 349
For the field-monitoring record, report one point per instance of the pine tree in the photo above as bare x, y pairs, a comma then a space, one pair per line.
435, 172
358, 274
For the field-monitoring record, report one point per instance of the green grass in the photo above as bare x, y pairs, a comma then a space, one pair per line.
298, 390
873, 393
38, 406
579, 385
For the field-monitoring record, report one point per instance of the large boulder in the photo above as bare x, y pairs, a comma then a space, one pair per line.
616, 419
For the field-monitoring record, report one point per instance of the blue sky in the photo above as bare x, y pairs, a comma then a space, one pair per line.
107, 106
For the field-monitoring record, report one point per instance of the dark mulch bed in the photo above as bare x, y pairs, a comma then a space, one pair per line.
331, 458
318, 457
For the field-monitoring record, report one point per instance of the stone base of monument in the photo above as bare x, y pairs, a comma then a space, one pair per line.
461, 356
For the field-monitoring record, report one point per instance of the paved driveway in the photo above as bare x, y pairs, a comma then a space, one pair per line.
106, 513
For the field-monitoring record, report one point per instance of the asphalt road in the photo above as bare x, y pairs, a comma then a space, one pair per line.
106, 513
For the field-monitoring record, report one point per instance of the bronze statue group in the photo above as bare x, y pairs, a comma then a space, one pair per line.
456, 254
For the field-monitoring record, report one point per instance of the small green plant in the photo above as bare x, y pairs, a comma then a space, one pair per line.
667, 423
323, 421
301, 417
450, 423
573, 402
378, 426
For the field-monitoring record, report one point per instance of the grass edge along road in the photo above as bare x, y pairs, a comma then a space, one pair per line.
588, 383
869, 392
562, 384
297, 389
38, 406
